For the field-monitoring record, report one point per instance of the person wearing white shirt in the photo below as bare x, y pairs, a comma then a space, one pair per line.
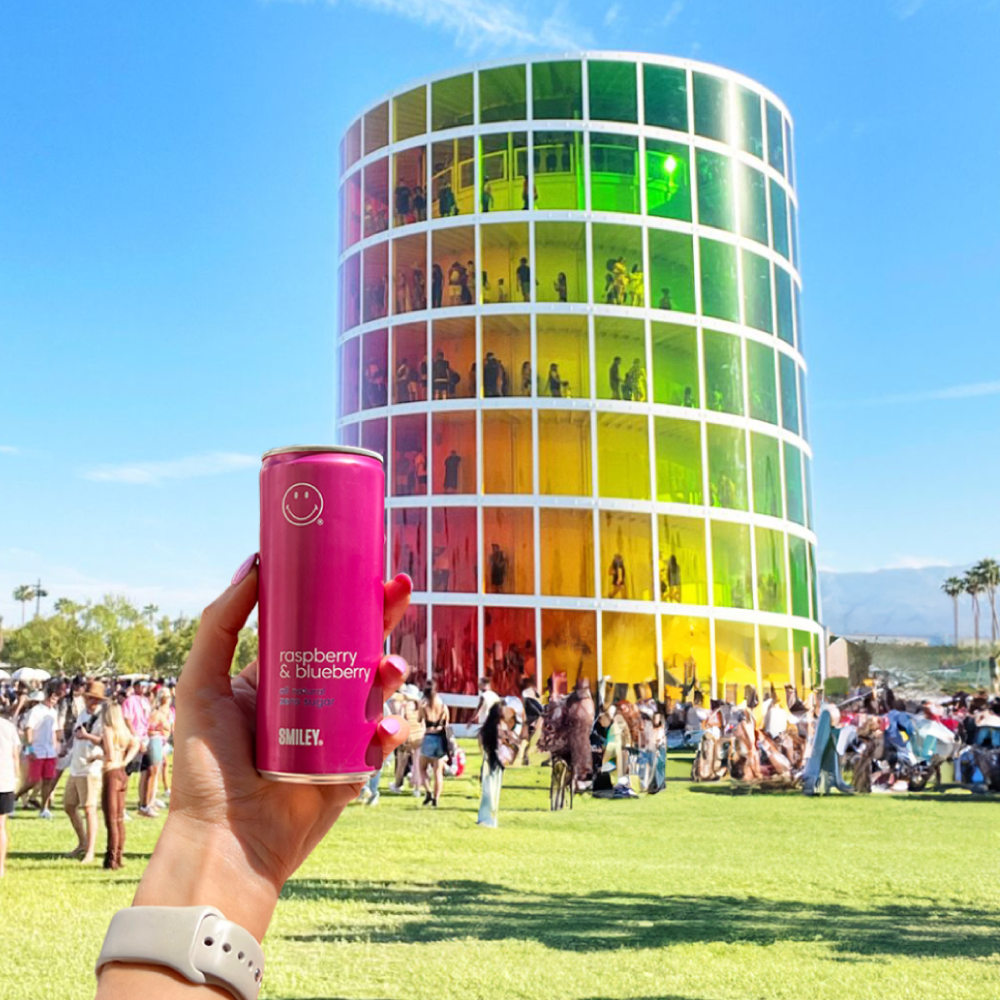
42, 731
83, 786
10, 746
487, 699
696, 715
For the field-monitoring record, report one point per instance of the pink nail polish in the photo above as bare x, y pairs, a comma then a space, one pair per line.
241, 574
389, 726
397, 663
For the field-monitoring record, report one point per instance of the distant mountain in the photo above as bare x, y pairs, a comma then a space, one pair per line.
894, 602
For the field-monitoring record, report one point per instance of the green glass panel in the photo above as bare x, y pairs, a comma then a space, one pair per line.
813, 583
779, 218
727, 467
678, 461
561, 262
757, 292
763, 382
614, 172
503, 171
793, 230
451, 102
775, 139
723, 372
711, 107
731, 567
557, 90
612, 89
618, 276
719, 280
559, 171
789, 154
409, 114
764, 451
772, 592
789, 398
803, 409
715, 191
751, 136
623, 456
503, 94
671, 263
810, 517
675, 365
794, 498
797, 298
753, 203
783, 294
620, 356
798, 560
668, 180
665, 96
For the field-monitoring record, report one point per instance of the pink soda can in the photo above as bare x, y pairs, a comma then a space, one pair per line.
322, 555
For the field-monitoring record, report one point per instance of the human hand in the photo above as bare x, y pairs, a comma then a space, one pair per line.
233, 838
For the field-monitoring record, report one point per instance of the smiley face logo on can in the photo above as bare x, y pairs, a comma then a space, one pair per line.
302, 504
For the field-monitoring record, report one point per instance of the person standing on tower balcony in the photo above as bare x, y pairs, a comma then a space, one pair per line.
615, 378
451, 467
524, 279
617, 574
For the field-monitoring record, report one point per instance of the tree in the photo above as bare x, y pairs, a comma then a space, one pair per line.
988, 571
974, 587
954, 587
246, 649
25, 594
149, 613
173, 643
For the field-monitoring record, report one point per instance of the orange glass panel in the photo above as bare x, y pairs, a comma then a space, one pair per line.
454, 559
564, 453
453, 454
509, 648
569, 650
626, 555
567, 552
409, 455
453, 368
508, 550
456, 649
507, 451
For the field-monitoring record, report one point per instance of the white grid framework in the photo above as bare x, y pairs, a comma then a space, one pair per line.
591, 404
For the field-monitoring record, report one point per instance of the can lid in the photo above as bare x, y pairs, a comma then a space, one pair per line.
314, 449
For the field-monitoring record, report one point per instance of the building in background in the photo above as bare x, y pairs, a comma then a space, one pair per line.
569, 300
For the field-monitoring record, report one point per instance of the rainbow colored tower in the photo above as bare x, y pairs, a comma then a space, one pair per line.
569, 299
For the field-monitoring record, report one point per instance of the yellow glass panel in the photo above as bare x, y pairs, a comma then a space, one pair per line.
566, 544
683, 566
505, 255
569, 650
735, 656
678, 460
563, 357
687, 652
506, 356
508, 550
564, 453
628, 649
507, 451
623, 456
772, 591
732, 579
561, 257
775, 659
620, 357
627, 555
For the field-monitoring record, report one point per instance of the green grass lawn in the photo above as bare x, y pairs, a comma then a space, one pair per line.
693, 894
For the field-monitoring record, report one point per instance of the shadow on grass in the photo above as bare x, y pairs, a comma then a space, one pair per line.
605, 921
61, 856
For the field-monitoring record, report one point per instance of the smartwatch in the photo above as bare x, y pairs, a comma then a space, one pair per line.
195, 941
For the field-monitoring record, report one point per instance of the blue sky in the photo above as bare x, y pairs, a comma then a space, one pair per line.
167, 257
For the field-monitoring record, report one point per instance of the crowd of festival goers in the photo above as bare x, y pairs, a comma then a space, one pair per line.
102, 740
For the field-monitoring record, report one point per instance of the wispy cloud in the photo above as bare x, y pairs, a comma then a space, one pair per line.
8, 449
970, 390
904, 9
214, 463
612, 14
485, 24
673, 12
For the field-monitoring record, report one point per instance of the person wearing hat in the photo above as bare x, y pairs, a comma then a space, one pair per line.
83, 786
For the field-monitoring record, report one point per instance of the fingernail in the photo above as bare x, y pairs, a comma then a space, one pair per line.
241, 574
400, 577
388, 727
397, 663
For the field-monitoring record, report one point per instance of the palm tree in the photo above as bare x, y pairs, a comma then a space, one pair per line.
988, 571
25, 594
149, 613
954, 587
974, 587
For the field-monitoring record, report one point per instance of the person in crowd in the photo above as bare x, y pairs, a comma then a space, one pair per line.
437, 286
487, 699
636, 289
486, 198
452, 464
491, 375
42, 734
524, 193
503, 295
524, 279
136, 709
468, 276
419, 204
434, 748
526, 378
495, 739
159, 731
665, 302
408, 753
420, 470
402, 201
84, 782
10, 747
441, 375
617, 574
561, 287
120, 747
694, 718
688, 397
534, 711
673, 579
498, 566
404, 379
634, 385
615, 378
555, 382
456, 273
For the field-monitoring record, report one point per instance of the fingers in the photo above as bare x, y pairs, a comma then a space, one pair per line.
392, 732
392, 672
211, 654
397, 598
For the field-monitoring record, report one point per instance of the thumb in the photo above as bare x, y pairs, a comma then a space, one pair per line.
211, 653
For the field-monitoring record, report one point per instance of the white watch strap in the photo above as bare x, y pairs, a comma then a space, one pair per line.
196, 941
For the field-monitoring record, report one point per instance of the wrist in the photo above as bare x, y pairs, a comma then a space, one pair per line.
196, 863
